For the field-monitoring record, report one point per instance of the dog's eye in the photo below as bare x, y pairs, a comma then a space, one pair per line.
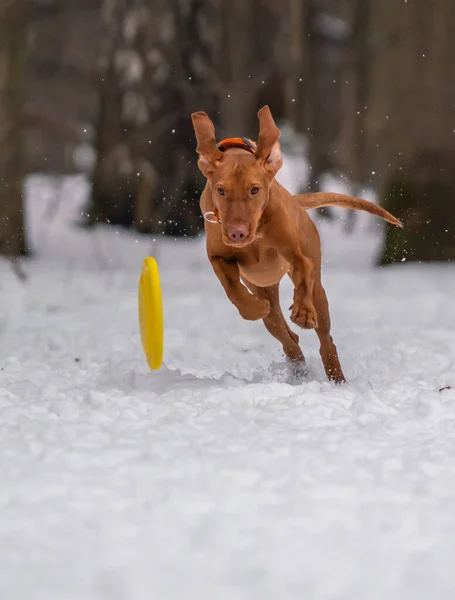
254, 190
221, 191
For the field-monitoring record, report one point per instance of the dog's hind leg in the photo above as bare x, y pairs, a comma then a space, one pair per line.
276, 323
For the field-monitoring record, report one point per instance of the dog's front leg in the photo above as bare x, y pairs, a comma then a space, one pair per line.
250, 307
303, 312
302, 273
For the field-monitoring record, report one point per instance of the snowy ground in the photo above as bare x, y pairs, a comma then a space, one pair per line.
215, 478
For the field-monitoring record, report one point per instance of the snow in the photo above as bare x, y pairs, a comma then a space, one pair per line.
218, 477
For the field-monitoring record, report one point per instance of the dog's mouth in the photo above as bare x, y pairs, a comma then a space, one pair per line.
242, 244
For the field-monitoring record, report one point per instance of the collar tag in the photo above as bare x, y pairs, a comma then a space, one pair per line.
209, 220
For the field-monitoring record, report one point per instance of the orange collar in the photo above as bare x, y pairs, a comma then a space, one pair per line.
243, 142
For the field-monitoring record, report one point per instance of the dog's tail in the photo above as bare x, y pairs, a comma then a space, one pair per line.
318, 199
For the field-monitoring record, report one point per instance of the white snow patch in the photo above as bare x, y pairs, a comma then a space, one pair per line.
216, 478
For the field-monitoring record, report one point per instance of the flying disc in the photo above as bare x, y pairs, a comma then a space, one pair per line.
151, 313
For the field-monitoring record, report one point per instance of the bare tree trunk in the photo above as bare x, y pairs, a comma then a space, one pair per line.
352, 144
298, 80
245, 62
12, 61
235, 65
157, 71
327, 57
417, 134
109, 125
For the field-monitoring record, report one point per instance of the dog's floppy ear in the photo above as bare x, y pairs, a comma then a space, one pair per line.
268, 148
209, 155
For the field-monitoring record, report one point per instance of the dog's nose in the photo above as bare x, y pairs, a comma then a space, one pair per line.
238, 233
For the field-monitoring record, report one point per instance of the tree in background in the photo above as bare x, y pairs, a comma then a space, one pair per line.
350, 148
326, 50
12, 64
411, 126
157, 69
318, 37
367, 86
162, 62
248, 58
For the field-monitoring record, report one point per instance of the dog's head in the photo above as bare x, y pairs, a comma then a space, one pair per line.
239, 180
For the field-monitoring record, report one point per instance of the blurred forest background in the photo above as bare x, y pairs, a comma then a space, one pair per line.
106, 88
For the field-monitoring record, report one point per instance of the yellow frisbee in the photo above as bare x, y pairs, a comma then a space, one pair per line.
151, 313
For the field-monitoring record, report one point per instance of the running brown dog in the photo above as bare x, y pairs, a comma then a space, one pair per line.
257, 232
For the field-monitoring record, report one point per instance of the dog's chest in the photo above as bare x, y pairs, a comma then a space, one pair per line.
262, 266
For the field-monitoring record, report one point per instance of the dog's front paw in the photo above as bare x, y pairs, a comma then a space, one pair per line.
255, 309
304, 315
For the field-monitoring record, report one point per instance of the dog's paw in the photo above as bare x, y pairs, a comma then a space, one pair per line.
304, 316
255, 309
297, 369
